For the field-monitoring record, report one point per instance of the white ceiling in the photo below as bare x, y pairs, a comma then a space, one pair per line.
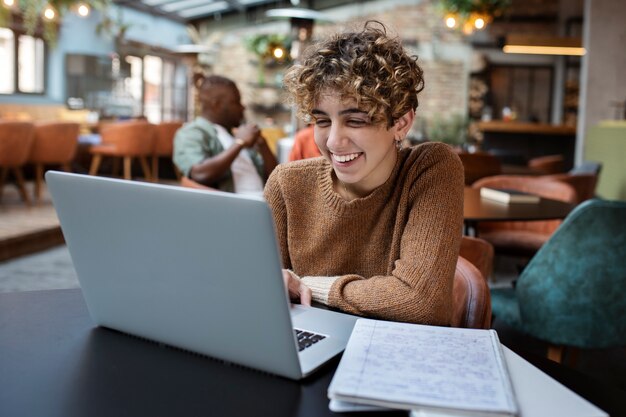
186, 10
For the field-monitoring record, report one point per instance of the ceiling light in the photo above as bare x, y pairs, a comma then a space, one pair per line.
83, 10
49, 13
517, 44
450, 21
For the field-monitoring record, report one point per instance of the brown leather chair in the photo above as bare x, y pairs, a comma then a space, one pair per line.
479, 165
523, 238
471, 297
55, 144
126, 140
164, 146
16, 140
584, 184
479, 252
549, 164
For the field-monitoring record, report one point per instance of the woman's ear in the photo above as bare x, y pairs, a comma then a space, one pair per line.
404, 124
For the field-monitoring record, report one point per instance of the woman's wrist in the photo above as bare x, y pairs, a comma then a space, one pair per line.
320, 287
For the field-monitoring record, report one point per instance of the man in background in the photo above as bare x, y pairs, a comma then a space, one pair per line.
215, 150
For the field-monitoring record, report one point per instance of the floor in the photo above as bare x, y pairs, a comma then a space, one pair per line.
50, 267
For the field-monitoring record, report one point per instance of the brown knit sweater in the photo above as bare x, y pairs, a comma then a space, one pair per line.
389, 255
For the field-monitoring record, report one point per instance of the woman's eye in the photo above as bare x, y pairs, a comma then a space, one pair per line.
357, 122
322, 122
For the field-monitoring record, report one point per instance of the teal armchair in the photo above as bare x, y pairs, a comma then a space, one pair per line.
573, 291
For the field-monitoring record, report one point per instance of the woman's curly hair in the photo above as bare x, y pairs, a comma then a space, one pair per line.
367, 66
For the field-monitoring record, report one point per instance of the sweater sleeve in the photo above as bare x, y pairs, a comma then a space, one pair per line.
275, 199
419, 289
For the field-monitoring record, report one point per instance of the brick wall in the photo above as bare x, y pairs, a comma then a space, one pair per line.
420, 27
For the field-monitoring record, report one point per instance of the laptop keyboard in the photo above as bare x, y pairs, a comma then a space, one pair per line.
307, 339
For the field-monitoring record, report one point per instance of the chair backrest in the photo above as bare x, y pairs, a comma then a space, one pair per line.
55, 142
587, 167
479, 165
164, 141
132, 138
479, 252
584, 184
572, 291
549, 164
471, 297
16, 140
555, 190
272, 135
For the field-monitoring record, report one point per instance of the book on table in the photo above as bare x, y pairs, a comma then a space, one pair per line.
428, 368
508, 196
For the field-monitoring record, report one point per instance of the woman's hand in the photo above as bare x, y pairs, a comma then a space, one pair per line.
296, 288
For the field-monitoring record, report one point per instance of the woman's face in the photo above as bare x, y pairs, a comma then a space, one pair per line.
362, 154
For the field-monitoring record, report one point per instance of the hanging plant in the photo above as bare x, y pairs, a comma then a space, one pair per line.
469, 15
270, 49
46, 14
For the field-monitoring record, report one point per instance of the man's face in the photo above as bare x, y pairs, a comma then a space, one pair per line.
225, 102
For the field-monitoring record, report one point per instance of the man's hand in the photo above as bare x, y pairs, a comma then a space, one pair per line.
296, 288
249, 133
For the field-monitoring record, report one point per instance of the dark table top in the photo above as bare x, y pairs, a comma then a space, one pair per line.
55, 362
476, 209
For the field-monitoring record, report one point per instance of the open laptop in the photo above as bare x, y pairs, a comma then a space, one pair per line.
193, 269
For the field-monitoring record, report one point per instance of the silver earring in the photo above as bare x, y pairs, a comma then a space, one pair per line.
399, 141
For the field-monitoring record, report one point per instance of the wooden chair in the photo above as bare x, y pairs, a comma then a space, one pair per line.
272, 135
479, 165
584, 184
164, 146
55, 144
523, 238
470, 292
16, 140
549, 164
126, 140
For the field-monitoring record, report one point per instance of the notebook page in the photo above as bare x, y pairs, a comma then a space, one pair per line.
412, 366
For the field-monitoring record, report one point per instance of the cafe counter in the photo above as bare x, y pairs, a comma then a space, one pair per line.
517, 142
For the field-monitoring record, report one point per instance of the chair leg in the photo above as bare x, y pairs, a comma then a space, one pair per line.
38, 181
3, 177
95, 164
555, 353
155, 168
19, 179
115, 168
145, 167
127, 166
572, 356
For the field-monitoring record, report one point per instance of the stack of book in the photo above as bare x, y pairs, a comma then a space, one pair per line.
508, 196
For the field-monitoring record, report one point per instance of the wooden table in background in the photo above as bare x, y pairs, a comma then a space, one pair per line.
477, 209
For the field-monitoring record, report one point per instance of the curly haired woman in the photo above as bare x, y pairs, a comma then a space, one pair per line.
370, 228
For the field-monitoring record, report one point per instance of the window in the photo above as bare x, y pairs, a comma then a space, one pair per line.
128, 85
27, 74
152, 81
7, 61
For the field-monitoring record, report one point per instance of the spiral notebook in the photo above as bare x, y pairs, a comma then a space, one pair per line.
417, 367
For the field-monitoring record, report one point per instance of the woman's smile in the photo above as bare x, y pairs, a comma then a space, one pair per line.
345, 159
